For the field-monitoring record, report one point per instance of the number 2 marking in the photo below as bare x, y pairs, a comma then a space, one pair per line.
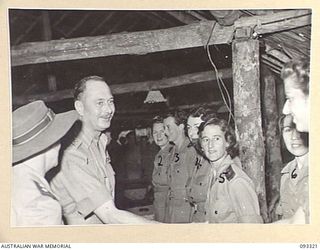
160, 161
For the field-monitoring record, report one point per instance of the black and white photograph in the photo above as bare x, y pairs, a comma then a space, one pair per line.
159, 116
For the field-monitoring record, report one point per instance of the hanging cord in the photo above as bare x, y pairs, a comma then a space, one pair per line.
219, 79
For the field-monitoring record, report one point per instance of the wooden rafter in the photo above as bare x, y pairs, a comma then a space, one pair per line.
159, 111
78, 25
101, 24
116, 89
188, 36
26, 32
182, 16
192, 35
276, 22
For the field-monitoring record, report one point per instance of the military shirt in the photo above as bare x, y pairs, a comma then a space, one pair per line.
86, 179
180, 171
33, 202
294, 190
160, 182
232, 198
198, 189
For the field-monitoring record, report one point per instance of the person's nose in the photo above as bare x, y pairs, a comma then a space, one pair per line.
295, 134
211, 144
107, 108
286, 108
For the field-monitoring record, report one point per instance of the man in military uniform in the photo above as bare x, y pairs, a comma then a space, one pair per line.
36, 134
85, 184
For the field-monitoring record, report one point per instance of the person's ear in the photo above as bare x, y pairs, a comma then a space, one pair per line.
79, 107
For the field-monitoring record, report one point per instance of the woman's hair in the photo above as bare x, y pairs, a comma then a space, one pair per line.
299, 70
179, 116
304, 135
229, 134
156, 119
203, 112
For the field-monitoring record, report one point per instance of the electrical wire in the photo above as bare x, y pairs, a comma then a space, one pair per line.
220, 81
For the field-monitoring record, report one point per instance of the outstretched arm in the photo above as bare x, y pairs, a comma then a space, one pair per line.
109, 214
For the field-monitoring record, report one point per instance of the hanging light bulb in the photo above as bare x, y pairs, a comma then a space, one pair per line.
154, 96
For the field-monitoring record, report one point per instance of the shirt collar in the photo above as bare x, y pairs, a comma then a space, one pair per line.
292, 165
86, 138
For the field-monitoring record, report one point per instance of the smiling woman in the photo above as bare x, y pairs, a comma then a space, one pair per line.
294, 189
231, 197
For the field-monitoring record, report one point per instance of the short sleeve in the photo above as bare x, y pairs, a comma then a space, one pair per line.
245, 201
79, 189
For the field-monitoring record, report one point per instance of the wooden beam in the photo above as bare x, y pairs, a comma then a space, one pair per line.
132, 87
246, 89
182, 16
182, 107
276, 22
276, 53
272, 139
134, 43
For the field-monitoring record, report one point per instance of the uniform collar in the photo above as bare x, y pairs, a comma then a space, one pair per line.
86, 138
226, 162
184, 145
292, 168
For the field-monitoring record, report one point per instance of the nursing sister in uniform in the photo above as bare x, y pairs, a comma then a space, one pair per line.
231, 197
199, 183
160, 171
181, 167
296, 77
35, 143
294, 191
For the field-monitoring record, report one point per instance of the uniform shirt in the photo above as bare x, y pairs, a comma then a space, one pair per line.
294, 190
198, 189
160, 182
33, 203
180, 171
232, 198
86, 179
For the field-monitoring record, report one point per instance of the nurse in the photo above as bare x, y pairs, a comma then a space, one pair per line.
231, 197
160, 171
199, 183
294, 192
295, 75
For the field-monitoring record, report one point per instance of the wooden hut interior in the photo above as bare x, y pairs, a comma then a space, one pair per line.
229, 60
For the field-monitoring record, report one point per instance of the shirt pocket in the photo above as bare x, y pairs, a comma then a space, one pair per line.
199, 188
222, 212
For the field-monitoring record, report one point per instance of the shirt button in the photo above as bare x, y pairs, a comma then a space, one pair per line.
215, 212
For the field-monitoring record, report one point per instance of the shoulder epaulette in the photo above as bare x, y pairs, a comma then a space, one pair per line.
229, 173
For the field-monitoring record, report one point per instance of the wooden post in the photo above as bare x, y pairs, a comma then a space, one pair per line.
272, 135
47, 36
246, 84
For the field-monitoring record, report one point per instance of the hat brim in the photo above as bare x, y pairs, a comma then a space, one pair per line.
54, 132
